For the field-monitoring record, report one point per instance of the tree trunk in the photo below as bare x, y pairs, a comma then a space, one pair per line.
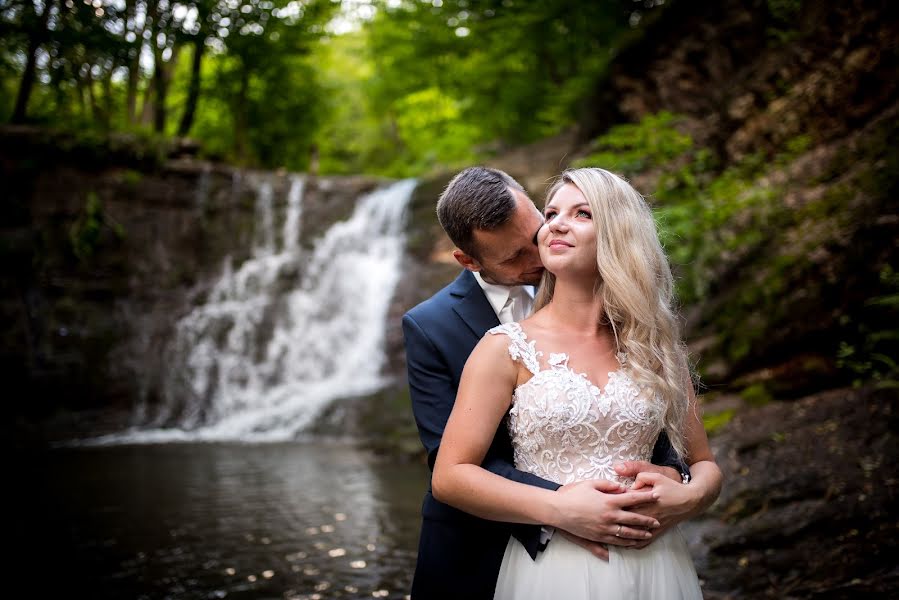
162, 77
35, 39
84, 112
168, 69
154, 97
96, 111
133, 64
240, 116
159, 85
193, 94
147, 105
131, 93
107, 96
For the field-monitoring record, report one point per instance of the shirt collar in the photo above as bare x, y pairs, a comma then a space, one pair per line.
498, 294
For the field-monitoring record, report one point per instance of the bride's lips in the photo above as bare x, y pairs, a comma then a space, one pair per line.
560, 244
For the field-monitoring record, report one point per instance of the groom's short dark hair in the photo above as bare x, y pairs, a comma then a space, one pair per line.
476, 198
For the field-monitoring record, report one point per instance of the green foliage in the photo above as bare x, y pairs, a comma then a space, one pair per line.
86, 233
429, 121
634, 147
756, 394
865, 365
713, 220
419, 86
348, 134
259, 103
132, 177
692, 202
785, 20
794, 147
715, 422
451, 82
871, 355
784, 11
702, 212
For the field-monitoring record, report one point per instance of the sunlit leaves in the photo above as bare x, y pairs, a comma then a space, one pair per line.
426, 83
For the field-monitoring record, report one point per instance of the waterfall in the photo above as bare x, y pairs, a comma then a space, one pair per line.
289, 330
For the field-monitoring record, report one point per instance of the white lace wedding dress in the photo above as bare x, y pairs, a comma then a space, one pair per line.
565, 429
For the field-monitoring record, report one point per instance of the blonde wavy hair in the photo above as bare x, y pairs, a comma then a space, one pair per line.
637, 291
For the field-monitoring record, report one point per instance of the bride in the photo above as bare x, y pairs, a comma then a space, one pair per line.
588, 381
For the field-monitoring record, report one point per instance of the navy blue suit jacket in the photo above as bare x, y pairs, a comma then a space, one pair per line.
459, 555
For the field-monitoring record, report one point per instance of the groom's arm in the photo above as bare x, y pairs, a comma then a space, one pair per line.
433, 393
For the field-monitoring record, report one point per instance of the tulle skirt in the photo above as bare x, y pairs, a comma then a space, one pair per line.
662, 571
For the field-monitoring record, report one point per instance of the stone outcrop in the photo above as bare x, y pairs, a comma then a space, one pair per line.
104, 249
808, 505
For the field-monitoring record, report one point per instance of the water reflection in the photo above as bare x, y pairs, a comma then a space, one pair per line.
219, 521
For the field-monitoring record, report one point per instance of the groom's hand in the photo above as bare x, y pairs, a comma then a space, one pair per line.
597, 511
632, 468
598, 550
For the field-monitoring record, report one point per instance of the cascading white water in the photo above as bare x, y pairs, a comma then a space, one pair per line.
264, 356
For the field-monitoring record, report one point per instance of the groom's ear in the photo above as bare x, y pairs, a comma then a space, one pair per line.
466, 261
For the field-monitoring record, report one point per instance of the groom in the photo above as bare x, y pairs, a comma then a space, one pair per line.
493, 224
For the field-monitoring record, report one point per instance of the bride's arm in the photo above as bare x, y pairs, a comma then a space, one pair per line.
485, 393
484, 396
678, 502
706, 475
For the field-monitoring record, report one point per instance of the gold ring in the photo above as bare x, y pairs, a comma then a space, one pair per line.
617, 531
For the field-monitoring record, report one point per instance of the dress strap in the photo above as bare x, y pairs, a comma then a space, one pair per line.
520, 349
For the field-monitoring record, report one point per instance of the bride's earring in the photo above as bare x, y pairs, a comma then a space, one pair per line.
622, 357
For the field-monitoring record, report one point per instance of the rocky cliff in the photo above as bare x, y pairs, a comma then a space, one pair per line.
105, 246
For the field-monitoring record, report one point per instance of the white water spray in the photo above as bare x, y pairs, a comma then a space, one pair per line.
262, 358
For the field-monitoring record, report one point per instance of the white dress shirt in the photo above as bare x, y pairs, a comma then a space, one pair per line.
509, 302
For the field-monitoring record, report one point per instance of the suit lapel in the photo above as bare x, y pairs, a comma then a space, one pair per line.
472, 305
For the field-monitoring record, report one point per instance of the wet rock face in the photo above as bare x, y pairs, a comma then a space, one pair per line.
751, 76
428, 265
101, 259
808, 505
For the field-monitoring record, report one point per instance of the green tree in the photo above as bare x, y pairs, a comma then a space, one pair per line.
512, 70
34, 21
263, 75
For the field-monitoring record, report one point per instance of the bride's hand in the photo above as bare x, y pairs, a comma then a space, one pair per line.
674, 502
596, 510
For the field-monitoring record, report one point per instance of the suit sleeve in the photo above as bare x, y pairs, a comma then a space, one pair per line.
663, 454
433, 393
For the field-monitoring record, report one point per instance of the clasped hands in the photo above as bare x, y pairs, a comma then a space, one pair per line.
595, 513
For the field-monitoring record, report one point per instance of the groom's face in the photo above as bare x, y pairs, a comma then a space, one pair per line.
508, 254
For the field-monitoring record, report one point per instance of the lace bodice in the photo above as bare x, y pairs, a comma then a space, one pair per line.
565, 429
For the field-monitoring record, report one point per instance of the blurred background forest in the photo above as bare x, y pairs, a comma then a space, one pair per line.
392, 88
188, 188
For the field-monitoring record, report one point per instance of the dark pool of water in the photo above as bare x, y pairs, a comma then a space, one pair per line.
300, 520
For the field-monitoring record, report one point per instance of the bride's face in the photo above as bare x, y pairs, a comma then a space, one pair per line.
567, 240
